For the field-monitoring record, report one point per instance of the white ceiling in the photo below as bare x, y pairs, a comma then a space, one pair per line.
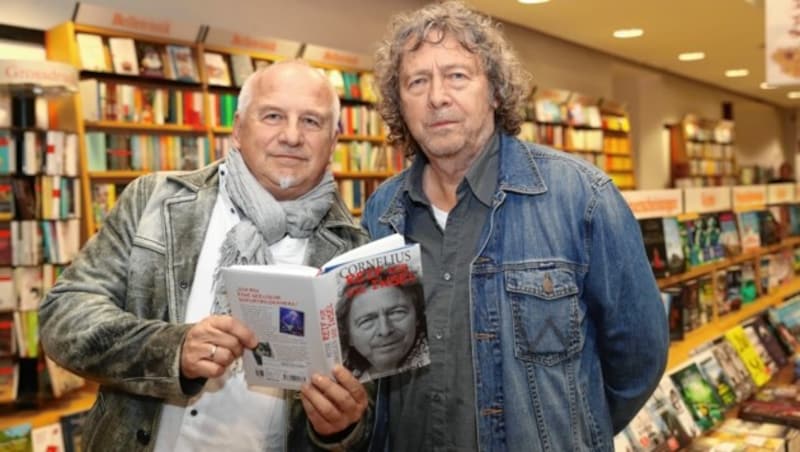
730, 32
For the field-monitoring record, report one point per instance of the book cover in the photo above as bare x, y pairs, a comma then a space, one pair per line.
794, 219
217, 69
699, 395
72, 428
665, 412
732, 288
758, 370
647, 432
749, 230
62, 381
779, 404
690, 231
690, 303
677, 406
710, 238
123, 56
654, 244
242, 66
729, 234
765, 430
786, 319
92, 52
672, 297
47, 438
759, 329
769, 228
307, 321
182, 63
151, 63
16, 438
734, 369
749, 289
676, 262
713, 374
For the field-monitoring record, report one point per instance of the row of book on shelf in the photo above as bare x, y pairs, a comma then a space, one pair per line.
128, 56
125, 102
33, 152
688, 409
65, 435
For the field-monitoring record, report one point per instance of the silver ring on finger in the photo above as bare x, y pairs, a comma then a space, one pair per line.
212, 352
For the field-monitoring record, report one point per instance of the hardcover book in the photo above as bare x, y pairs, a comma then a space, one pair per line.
242, 68
217, 69
123, 56
749, 230
759, 372
699, 395
307, 320
734, 369
151, 63
676, 261
729, 234
92, 52
182, 63
654, 244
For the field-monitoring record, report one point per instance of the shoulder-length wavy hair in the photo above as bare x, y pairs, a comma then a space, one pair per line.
478, 34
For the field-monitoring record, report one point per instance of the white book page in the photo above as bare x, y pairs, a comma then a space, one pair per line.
379, 246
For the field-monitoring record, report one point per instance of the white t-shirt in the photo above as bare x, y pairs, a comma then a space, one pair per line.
227, 415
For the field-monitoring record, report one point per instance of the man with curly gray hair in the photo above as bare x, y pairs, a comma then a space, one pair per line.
546, 328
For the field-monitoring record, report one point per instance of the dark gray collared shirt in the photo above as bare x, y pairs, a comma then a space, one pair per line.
433, 408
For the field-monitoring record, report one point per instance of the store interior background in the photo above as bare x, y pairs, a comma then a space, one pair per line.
766, 133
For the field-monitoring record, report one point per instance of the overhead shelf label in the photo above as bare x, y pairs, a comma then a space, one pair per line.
112, 18
707, 199
749, 197
654, 203
273, 46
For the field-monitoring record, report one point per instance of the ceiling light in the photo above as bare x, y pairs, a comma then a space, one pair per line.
691, 56
628, 33
532, 2
765, 85
737, 73
793, 94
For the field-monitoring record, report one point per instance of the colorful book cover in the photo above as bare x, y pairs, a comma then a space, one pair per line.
151, 63
759, 327
47, 438
749, 288
123, 56
769, 228
732, 290
699, 395
692, 244
654, 244
690, 303
729, 234
749, 230
16, 439
710, 238
734, 368
92, 52
794, 219
217, 69
182, 62
72, 428
749, 355
713, 373
674, 296
662, 408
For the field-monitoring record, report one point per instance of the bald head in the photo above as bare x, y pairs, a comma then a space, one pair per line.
289, 70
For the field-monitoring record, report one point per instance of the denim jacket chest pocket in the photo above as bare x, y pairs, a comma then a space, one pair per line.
546, 314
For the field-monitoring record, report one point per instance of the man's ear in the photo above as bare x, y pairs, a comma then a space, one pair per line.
237, 125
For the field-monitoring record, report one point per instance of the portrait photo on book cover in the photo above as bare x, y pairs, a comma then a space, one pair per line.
381, 318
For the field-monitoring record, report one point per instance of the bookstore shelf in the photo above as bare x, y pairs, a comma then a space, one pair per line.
680, 351
140, 80
721, 265
138, 127
221, 130
51, 411
116, 175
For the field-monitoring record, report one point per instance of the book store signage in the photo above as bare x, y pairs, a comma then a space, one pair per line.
113, 19
42, 77
707, 199
751, 197
782, 42
272, 46
654, 203
338, 58
780, 193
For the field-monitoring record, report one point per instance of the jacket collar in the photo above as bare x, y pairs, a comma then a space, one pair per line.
518, 173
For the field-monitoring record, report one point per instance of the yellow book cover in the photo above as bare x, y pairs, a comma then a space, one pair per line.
758, 370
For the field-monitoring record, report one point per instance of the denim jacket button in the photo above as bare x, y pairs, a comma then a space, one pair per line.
447, 276
184, 285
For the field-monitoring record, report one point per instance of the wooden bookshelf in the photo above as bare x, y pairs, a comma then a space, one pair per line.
371, 139
680, 351
116, 175
139, 127
50, 411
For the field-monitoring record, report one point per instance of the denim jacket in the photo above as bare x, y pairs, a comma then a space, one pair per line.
569, 335
116, 314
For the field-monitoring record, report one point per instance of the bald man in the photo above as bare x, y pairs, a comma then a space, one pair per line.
143, 310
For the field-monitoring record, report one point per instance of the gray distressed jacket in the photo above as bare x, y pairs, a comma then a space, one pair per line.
116, 314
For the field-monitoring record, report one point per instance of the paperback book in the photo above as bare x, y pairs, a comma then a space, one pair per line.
363, 309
